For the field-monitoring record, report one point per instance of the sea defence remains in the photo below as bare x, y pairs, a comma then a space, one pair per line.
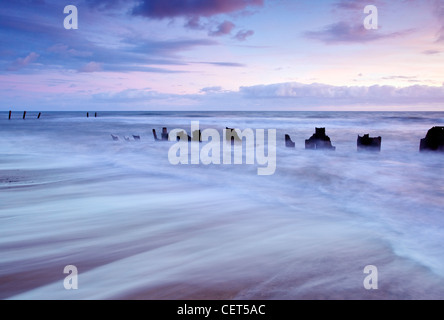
434, 141
288, 142
164, 136
319, 141
366, 143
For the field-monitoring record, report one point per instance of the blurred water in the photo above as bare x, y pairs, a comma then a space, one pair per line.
138, 227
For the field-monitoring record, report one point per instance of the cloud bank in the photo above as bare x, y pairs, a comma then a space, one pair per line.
291, 96
287, 96
322, 93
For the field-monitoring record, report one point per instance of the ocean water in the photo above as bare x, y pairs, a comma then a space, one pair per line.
137, 227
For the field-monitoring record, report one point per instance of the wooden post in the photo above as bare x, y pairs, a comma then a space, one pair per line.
10, 114
87, 114
197, 136
366, 143
24, 115
165, 136
288, 142
155, 135
40, 114
95, 115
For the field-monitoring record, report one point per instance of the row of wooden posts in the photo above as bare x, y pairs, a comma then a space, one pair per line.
24, 115
40, 114
434, 141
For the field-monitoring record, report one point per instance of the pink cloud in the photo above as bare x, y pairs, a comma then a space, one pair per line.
63, 49
91, 67
431, 52
355, 4
23, 62
343, 32
439, 11
244, 34
194, 23
223, 29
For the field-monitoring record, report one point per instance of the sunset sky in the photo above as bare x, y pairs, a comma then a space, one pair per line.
222, 55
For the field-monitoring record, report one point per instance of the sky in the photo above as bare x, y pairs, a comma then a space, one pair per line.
216, 55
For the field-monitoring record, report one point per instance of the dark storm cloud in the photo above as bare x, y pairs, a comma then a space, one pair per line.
160, 9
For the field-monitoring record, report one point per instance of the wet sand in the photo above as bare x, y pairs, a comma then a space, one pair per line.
244, 255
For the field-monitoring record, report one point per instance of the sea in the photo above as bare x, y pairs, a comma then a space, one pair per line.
135, 226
